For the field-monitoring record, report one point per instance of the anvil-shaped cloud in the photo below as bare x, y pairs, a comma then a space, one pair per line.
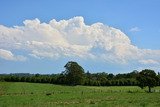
72, 38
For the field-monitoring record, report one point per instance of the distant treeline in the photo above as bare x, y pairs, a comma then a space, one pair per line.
74, 74
90, 79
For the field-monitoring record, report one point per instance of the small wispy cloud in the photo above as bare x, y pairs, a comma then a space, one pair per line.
135, 29
148, 61
8, 55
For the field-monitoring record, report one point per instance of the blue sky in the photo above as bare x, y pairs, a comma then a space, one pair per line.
137, 19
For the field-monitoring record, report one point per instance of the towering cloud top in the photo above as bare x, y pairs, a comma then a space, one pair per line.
71, 38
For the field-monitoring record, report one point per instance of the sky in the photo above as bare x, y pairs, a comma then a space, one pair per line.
112, 36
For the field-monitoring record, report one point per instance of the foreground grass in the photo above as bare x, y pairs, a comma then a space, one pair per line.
48, 95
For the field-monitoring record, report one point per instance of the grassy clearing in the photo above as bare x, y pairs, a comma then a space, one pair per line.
48, 95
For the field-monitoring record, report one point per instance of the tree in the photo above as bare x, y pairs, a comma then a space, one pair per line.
74, 73
158, 78
147, 78
110, 76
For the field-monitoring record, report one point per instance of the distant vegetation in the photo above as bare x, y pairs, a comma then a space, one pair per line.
74, 74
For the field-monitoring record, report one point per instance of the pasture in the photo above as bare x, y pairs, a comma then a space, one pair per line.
18, 94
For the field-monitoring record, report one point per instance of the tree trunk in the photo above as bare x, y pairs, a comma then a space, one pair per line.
149, 89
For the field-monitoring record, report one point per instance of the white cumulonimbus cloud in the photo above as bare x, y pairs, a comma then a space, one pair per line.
72, 38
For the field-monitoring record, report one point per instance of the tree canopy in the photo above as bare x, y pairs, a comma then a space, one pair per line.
147, 78
74, 73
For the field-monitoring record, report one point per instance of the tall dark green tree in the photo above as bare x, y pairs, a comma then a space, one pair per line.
147, 78
74, 73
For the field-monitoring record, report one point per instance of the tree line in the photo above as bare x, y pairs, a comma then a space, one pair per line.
90, 79
74, 74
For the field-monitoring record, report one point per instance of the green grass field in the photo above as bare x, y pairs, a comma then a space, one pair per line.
48, 95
